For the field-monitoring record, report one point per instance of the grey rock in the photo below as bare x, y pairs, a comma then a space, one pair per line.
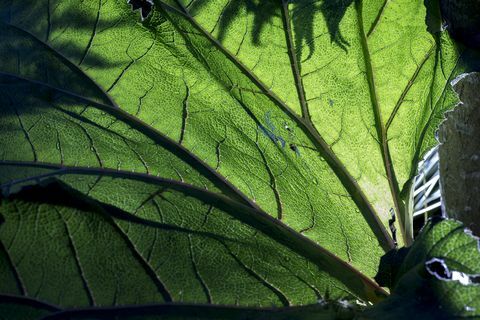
459, 152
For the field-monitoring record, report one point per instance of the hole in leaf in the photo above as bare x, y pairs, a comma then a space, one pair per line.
145, 7
438, 268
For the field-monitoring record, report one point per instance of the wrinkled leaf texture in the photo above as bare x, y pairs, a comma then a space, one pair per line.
220, 152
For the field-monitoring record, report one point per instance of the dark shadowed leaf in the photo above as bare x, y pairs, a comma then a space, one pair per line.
460, 154
187, 251
14, 308
438, 279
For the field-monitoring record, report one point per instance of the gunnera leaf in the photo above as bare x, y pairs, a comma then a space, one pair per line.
291, 129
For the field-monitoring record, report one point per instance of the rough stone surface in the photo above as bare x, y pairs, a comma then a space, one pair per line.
459, 152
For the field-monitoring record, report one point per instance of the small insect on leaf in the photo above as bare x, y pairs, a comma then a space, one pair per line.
145, 7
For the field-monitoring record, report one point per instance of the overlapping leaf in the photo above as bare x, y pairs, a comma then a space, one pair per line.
439, 278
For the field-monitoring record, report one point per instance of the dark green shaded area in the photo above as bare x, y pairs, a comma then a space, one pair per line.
438, 278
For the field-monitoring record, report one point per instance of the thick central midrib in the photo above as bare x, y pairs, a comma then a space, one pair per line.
293, 60
381, 131
256, 218
335, 164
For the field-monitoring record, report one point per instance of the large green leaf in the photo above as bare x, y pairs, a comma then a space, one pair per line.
76, 252
366, 81
439, 277
302, 121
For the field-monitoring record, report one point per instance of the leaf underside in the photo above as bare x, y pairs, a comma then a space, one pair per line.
223, 152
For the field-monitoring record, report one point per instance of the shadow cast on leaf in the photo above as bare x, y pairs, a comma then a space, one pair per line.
302, 14
44, 59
